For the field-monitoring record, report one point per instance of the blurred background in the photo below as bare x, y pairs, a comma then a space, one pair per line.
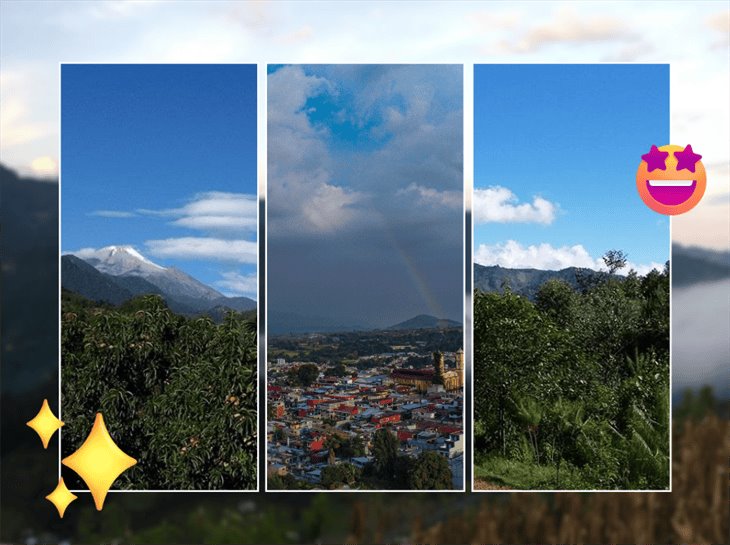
36, 36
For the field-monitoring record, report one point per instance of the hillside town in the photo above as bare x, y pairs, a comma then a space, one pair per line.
324, 416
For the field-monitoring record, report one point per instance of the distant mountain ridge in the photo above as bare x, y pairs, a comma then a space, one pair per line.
115, 274
282, 323
526, 282
690, 265
425, 321
693, 265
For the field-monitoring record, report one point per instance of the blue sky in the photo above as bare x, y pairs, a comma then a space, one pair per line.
163, 158
556, 148
365, 192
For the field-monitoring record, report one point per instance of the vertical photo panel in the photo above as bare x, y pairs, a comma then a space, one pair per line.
159, 272
365, 361
571, 280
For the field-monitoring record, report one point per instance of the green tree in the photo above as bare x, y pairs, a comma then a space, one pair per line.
350, 447
615, 260
385, 453
337, 370
430, 471
307, 374
517, 352
338, 475
556, 300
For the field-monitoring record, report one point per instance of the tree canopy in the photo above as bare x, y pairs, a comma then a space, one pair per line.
178, 394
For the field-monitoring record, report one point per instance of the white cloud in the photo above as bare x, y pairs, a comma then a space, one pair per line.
720, 22
120, 9
112, 214
499, 205
241, 251
427, 196
85, 253
214, 211
44, 166
328, 208
27, 133
301, 194
568, 27
642, 269
234, 283
545, 256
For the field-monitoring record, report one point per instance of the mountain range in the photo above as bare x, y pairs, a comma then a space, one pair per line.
115, 274
424, 321
693, 265
526, 282
290, 323
690, 265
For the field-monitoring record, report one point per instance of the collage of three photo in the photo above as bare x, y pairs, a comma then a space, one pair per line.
354, 277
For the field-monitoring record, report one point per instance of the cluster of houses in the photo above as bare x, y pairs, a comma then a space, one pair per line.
304, 422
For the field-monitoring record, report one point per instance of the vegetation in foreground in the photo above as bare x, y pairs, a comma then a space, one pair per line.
572, 390
694, 512
178, 394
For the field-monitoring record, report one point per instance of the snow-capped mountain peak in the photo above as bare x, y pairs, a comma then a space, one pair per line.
127, 261
120, 260
131, 251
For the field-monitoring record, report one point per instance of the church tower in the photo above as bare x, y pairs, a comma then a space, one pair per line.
438, 366
459, 360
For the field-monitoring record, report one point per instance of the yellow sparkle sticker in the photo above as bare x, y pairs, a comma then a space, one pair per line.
61, 497
45, 423
99, 461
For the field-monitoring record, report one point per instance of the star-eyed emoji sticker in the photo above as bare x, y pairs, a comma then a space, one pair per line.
45, 423
61, 497
671, 180
99, 461
655, 159
687, 159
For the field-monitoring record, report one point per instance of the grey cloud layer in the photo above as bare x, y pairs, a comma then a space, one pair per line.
367, 232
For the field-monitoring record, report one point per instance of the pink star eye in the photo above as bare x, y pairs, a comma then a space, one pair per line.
655, 159
687, 158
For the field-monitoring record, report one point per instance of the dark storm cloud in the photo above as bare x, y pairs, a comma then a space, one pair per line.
365, 191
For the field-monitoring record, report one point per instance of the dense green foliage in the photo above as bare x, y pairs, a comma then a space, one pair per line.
392, 471
575, 385
385, 454
346, 447
339, 475
304, 375
430, 471
177, 394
